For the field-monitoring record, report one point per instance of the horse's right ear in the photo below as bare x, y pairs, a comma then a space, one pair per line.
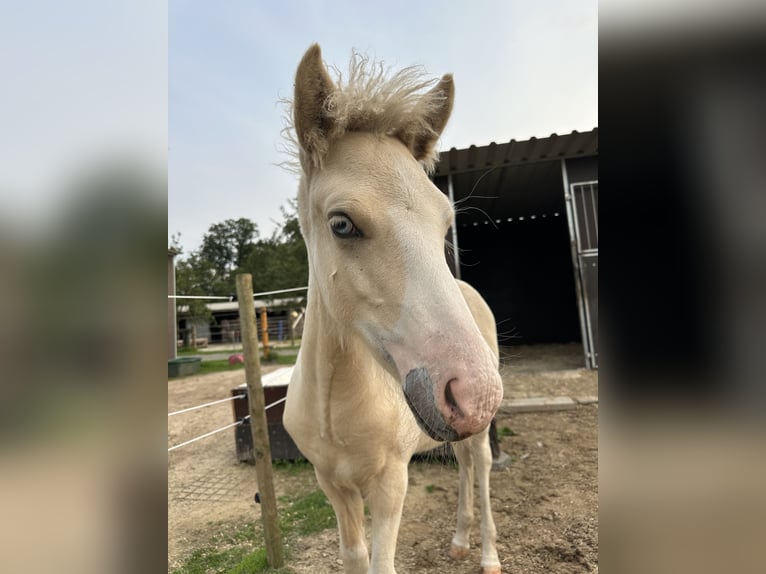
312, 87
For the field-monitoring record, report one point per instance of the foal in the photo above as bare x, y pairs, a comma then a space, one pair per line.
397, 356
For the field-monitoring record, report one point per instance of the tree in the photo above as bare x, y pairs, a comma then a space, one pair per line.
281, 261
210, 270
225, 248
231, 247
193, 277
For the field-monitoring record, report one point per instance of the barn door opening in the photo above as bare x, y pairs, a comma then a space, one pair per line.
582, 214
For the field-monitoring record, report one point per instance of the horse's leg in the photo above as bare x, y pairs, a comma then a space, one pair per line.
386, 500
461, 540
349, 510
475, 455
482, 454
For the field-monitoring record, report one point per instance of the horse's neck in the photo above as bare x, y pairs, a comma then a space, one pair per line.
335, 364
327, 342
342, 384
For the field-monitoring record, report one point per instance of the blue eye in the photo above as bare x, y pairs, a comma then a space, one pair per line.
343, 227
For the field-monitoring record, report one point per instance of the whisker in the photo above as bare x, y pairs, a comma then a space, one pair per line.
475, 185
467, 197
451, 247
462, 264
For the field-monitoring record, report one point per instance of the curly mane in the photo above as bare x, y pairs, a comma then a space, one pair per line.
370, 99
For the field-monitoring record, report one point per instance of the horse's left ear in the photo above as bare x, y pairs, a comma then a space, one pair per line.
312, 87
422, 139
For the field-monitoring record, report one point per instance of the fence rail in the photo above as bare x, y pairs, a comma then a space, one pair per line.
216, 431
230, 332
205, 405
231, 297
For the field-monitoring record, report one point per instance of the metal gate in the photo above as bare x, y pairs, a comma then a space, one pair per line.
582, 212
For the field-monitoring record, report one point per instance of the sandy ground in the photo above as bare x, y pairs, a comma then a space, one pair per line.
545, 504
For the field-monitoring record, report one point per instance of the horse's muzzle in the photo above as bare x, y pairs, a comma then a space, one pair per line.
419, 393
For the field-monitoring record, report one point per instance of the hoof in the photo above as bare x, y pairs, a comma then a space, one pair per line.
458, 552
501, 462
490, 570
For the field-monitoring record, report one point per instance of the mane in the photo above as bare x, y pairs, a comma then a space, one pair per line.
369, 99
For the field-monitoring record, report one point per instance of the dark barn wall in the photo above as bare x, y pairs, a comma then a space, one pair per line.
582, 169
524, 271
522, 266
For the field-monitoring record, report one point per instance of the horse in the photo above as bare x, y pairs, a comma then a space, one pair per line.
397, 355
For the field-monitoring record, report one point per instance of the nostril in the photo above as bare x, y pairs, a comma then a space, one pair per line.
450, 398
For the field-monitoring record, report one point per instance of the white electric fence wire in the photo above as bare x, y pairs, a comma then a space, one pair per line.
211, 433
205, 435
205, 405
275, 403
229, 298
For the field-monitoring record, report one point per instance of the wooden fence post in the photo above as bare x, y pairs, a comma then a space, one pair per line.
265, 333
258, 424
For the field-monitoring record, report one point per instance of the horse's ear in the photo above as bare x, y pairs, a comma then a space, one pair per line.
312, 87
422, 141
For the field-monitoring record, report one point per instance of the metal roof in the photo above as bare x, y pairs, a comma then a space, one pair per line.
554, 147
221, 306
519, 180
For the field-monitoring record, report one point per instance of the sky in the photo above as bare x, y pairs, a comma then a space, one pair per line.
521, 69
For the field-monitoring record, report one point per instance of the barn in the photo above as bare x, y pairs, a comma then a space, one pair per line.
526, 235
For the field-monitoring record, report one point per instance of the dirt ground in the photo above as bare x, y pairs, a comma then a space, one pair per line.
545, 504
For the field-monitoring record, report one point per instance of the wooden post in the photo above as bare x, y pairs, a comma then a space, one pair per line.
265, 333
258, 424
293, 316
194, 337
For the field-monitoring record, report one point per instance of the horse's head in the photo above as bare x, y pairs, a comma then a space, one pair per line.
375, 228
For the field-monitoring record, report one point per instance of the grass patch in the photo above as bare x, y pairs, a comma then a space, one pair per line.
209, 560
306, 515
218, 365
240, 551
254, 562
285, 359
505, 431
192, 352
292, 468
189, 352
430, 488
236, 560
225, 552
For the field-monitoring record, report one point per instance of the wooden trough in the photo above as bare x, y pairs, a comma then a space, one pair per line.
274, 389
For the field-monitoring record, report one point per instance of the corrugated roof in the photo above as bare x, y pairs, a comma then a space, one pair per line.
219, 306
575, 144
517, 180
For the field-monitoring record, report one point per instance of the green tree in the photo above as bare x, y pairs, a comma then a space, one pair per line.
280, 262
225, 248
232, 247
193, 277
210, 270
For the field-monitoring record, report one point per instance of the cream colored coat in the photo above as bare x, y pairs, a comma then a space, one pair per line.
395, 352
